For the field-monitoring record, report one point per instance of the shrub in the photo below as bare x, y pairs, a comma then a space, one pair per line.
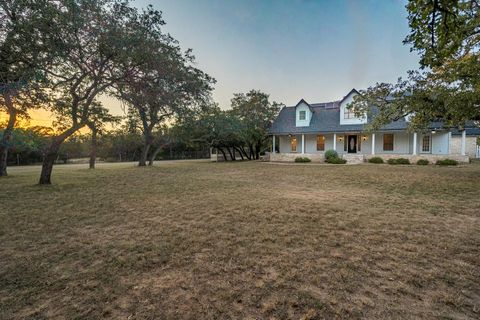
447, 162
330, 154
422, 162
398, 161
392, 161
336, 160
302, 159
375, 160
403, 161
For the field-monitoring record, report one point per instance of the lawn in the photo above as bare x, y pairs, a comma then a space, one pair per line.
241, 240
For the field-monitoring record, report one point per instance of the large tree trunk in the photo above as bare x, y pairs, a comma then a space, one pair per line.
7, 135
154, 155
257, 151
252, 153
143, 157
93, 148
52, 153
47, 165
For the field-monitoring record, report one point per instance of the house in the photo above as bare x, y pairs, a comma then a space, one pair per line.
309, 129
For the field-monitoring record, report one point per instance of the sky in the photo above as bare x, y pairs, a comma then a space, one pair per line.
313, 49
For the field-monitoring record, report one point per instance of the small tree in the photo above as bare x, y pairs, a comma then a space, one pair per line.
256, 114
100, 118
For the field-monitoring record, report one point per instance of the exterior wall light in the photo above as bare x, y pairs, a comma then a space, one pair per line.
364, 138
340, 138
433, 131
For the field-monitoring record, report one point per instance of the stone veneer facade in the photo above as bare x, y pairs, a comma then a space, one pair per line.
319, 157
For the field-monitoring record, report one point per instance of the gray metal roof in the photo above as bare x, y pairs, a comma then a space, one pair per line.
326, 119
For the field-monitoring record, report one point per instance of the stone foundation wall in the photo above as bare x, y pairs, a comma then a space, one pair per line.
470, 145
290, 157
413, 159
318, 157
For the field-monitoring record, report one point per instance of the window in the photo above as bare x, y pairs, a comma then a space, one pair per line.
388, 142
426, 143
293, 144
302, 115
348, 113
320, 143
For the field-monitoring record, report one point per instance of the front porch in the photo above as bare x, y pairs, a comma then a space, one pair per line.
357, 147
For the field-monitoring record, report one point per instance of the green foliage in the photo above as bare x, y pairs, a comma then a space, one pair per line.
375, 160
446, 35
398, 161
302, 159
422, 162
330, 154
336, 161
256, 113
446, 162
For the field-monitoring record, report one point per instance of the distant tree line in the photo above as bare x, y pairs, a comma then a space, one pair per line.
240, 130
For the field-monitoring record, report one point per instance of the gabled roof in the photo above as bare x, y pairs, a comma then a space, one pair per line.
323, 120
303, 101
351, 91
326, 119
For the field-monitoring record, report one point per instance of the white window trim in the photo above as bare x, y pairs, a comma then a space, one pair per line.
300, 115
429, 144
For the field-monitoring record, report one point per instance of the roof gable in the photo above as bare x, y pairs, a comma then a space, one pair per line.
348, 94
305, 102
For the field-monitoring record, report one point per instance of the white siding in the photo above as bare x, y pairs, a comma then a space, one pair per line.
440, 143
285, 146
311, 143
302, 123
401, 143
343, 106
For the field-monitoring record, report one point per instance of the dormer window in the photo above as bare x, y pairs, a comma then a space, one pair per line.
302, 115
348, 113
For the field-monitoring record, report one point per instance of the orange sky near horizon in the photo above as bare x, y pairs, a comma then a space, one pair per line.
44, 118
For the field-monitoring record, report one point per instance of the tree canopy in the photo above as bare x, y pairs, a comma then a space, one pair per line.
446, 35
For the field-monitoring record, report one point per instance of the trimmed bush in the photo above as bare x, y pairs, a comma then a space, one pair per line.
403, 161
422, 162
375, 160
398, 161
447, 162
336, 161
330, 154
302, 159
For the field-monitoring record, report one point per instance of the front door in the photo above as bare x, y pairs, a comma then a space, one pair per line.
352, 144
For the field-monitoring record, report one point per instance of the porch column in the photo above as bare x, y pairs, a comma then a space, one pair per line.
335, 141
464, 141
303, 143
414, 144
273, 144
373, 143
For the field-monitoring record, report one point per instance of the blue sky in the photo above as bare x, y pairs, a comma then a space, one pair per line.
312, 49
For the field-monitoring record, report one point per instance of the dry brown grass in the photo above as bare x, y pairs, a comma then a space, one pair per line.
242, 240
